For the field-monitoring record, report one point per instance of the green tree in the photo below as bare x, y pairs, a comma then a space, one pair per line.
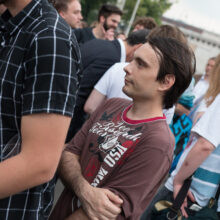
152, 8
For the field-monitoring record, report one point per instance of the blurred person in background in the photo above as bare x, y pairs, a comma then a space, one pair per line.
195, 93
2, 9
144, 23
70, 11
109, 17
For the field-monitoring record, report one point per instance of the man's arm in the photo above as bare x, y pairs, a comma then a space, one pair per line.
180, 110
197, 117
202, 149
79, 214
138, 179
97, 203
43, 138
95, 99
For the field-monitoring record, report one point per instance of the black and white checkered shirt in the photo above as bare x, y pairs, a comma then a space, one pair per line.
39, 66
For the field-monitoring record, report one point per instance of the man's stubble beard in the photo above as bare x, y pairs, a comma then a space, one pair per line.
105, 25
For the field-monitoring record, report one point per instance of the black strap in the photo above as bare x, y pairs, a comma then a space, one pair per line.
180, 198
217, 193
182, 195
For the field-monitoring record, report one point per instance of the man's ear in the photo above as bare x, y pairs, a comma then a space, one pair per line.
102, 19
62, 14
167, 83
136, 46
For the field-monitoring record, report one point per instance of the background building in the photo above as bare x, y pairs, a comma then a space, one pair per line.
204, 43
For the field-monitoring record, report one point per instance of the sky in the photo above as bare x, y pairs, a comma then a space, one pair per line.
200, 13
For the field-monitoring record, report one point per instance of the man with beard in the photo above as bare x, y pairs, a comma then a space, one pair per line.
108, 19
39, 60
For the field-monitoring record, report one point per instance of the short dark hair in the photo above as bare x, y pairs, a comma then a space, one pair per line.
61, 5
175, 58
147, 22
137, 37
106, 10
168, 31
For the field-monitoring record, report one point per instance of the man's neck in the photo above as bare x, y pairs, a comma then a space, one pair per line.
129, 51
15, 6
98, 31
144, 110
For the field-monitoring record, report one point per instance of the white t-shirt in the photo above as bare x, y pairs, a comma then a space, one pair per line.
207, 177
202, 106
112, 82
200, 89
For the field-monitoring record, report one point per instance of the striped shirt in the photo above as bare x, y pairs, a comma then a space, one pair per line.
39, 69
206, 179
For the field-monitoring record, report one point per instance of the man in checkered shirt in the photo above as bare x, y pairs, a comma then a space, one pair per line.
39, 65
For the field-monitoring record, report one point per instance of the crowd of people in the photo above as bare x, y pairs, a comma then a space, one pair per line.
104, 112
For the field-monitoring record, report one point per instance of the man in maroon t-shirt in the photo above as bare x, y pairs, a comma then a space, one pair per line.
116, 162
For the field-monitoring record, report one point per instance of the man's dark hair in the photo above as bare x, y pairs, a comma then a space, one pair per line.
60, 5
137, 37
147, 22
106, 10
175, 58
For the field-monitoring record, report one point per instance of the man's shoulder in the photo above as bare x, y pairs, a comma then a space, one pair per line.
48, 22
101, 44
95, 43
159, 137
101, 52
120, 65
117, 69
83, 31
84, 35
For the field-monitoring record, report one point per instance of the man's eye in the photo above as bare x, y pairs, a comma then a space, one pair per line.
140, 64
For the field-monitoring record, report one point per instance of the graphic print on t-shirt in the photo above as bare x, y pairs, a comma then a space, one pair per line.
115, 142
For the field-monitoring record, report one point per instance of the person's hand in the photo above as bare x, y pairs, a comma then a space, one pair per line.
176, 188
110, 34
99, 203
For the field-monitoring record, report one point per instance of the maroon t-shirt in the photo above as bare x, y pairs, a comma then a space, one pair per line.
129, 157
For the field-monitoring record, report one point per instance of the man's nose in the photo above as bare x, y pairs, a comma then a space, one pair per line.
127, 68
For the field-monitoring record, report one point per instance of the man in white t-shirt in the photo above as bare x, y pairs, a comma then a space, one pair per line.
202, 156
110, 86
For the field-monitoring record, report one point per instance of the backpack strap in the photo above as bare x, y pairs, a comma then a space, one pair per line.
180, 198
